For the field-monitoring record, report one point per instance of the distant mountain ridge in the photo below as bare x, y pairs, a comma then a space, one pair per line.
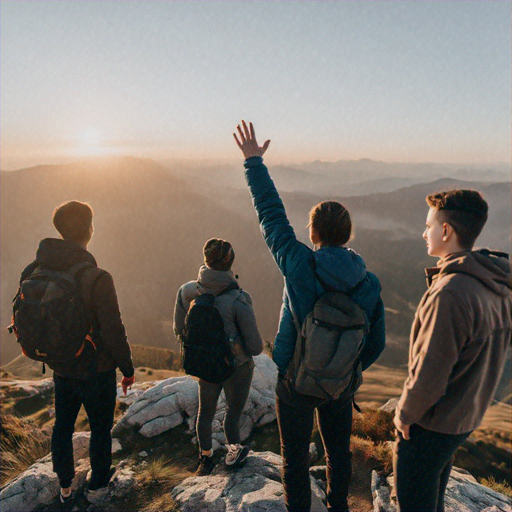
151, 223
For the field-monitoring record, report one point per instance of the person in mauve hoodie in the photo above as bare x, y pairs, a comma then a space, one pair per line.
90, 380
459, 340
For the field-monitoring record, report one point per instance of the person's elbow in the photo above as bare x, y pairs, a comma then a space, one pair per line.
373, 351
255, 348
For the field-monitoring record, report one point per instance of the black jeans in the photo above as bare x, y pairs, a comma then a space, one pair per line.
236, 389
98, 396
295, 428
422, 467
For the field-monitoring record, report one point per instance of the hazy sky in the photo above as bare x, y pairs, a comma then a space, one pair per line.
387, 80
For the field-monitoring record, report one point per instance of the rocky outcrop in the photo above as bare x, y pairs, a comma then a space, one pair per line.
26, 388
389, 406
39, 485
463, 494
255, 487
173, 401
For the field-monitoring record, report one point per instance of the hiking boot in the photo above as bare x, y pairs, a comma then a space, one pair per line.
67, 502
95, 491
206, 465
236, 454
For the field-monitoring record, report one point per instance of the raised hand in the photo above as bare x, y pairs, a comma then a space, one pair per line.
247, 142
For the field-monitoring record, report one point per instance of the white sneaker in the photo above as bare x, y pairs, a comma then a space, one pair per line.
236, 454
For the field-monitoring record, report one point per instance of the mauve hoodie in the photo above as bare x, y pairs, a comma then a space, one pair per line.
459, 341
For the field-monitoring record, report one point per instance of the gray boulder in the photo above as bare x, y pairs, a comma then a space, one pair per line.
26, 388
173, 401
256, 487
463, 494
38, 486
389, 406
121, 486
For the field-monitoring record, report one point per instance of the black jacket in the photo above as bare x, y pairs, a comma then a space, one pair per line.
98, 293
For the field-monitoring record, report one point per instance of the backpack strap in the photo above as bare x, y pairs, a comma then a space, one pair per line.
75, 269
232, 286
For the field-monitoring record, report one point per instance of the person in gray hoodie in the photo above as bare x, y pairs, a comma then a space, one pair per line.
459, 341
235, 308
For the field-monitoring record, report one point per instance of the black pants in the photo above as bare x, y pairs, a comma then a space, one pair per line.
422, 467
98, 396
295, 428
236, 389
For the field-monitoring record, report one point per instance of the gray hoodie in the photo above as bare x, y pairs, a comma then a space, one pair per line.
235, 308
459, 341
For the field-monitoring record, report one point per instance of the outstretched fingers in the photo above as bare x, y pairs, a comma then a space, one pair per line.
239, 144
246, 131
242, 136
265, 146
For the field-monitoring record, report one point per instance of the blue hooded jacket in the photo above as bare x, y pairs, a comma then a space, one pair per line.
339, 267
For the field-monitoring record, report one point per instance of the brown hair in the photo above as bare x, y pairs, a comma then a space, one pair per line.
218, 254
73, 220
465, 211
332, 222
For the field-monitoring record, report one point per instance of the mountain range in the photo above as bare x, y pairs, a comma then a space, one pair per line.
152, 220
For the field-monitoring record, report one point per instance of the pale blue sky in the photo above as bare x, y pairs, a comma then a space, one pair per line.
387, 80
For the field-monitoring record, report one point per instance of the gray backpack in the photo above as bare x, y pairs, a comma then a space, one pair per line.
325, 361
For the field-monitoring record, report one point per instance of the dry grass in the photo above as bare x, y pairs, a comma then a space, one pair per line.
155, 358
158, 479
166, 467
21, 444
502, 486
376, 426
372, 455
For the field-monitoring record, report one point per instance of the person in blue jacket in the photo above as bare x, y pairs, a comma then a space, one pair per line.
330, 228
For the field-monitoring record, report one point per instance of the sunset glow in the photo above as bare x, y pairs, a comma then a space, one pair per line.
91, 137
390, 81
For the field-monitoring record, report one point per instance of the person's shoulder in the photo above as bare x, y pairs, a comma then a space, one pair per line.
457, 284
244, 297
374, 281
91, 275
188, 291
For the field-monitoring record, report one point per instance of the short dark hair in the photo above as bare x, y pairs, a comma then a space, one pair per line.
73, 220
218, 254
465, 211
332, 222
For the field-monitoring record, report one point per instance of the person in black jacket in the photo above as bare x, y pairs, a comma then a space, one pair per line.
91, 379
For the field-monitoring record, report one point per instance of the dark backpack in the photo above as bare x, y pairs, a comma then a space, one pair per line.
325, 361
205, 347
49, 317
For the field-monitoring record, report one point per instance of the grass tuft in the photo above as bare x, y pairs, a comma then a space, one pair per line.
375, 425
502, 486
21, 444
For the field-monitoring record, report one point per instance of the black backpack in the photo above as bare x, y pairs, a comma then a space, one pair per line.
325, 361
205, 347
49, 318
